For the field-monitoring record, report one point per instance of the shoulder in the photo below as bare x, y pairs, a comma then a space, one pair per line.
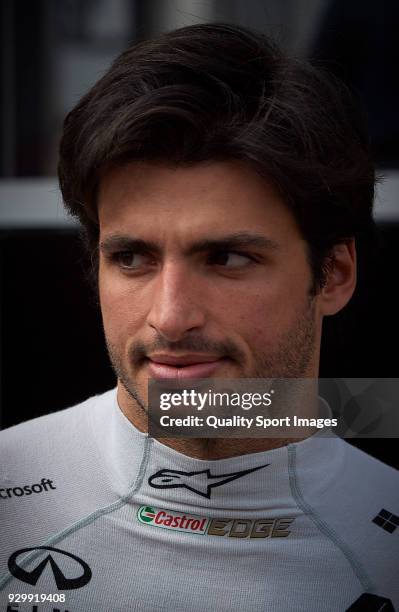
354, 499
332, 463
50, 438
367, 473
343, 478
51, 474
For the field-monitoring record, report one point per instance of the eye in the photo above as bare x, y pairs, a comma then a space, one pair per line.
129, 260
230, 259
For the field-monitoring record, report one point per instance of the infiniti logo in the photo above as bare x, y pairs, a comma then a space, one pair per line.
63, 583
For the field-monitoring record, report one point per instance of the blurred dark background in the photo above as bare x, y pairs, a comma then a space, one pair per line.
52, 350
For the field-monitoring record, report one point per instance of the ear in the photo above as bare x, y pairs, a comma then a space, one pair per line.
340, 279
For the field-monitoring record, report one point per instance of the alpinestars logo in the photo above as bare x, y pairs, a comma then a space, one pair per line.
201, 482
63, 583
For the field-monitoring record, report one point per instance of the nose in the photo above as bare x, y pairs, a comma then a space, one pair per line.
177, 303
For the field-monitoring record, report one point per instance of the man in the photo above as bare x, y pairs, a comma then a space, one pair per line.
221, 187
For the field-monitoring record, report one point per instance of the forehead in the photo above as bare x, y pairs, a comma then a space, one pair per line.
205, 198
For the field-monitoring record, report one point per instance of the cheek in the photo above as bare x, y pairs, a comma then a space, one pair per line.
251, 317
259, 318
121, 312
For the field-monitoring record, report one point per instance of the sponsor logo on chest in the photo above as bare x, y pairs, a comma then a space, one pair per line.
224, 527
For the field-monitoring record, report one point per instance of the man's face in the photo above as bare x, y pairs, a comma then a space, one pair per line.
203, 272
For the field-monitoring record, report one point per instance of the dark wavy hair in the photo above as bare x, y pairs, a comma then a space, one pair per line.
216, 91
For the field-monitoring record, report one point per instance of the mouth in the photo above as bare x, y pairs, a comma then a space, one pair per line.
184, 366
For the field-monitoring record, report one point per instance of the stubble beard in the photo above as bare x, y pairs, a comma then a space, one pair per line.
292, 358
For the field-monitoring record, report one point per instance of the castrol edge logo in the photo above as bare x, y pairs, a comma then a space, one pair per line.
228, 527
166, 519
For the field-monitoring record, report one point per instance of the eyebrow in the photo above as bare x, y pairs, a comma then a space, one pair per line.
234, 241
127, 243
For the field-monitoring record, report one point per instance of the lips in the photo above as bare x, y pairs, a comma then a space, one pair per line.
181, 368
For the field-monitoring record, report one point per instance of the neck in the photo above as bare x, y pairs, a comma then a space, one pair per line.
212, 448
